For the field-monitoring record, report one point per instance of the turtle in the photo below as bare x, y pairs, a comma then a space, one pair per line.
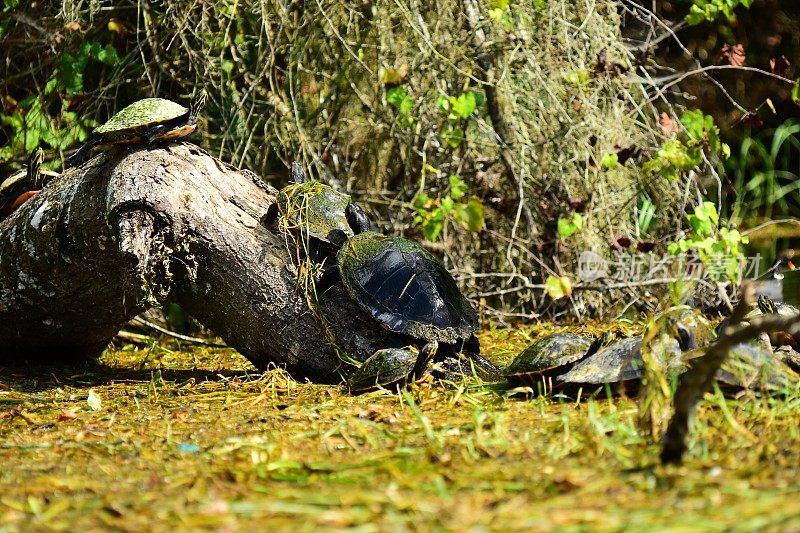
780, 338
23, 185
619, 362
144, 121
547, 356
317, 211
750, 365
409, 292
392, 367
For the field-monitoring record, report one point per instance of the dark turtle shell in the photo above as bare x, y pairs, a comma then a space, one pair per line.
548, 353
390, 366
405, 288
621, 361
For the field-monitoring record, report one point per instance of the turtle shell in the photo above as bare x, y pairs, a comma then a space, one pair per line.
547, 353
405, 288
750, 365
388, 366
621, 361
139, 116
314, 208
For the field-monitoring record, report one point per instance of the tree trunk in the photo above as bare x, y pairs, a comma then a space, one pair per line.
136, 227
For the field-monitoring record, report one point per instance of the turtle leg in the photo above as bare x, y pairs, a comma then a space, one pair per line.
79, 157
271, 215
329, 277
152, 133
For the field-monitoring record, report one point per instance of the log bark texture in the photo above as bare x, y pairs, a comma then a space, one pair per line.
136, 227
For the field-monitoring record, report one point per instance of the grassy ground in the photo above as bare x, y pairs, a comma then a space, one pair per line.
162, 439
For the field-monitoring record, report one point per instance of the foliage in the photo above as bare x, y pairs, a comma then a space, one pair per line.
31, 122
719, 248
432, 213
765, 173
686, 152
710, 10
568, 227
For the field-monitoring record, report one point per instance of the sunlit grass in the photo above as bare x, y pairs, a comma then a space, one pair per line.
197, 439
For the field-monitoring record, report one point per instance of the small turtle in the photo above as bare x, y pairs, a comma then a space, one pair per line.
23, 185
750, 365
780, 338
323, 217
618, 363
392, 367
145, 121
550, 354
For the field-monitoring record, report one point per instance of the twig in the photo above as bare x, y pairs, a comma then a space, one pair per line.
186, 338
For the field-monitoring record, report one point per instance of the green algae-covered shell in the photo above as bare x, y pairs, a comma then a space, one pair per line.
314, 208
141, 115
752, 366
383, 368
547, 353
405, 288
621, 361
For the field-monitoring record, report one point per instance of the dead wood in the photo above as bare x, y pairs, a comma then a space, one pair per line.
137, 227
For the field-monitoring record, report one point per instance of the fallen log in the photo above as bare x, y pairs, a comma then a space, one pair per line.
137, 227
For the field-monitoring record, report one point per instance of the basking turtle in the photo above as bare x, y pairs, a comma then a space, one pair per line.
780, 338
145, 121
392, 367
405, 288
21, 186
750, 365
322, 216
547, 356
409, 292
618, 363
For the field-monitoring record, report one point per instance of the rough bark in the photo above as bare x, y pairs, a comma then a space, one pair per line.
136, 227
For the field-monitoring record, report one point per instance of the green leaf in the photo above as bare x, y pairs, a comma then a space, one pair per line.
444, 104
396, 96
464, 105
610, 161
454, 136
457, 187
796, 92
108, 55
432, 229
558, 287
568, 228
470, 215
578, 77
93, 401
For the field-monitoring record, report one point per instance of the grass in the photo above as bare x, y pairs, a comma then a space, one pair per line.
194, 439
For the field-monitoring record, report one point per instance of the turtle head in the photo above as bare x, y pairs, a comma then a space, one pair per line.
337, 238
298, 176
199, 101
425, 356
766, 305
35, 168
357, 218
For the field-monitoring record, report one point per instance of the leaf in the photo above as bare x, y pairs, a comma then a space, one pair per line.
470, 215
93, 401
453, 136
667, 125
568, 228
733, 55
796, 92
432, 229
457, 187
396, 95
779, 66
558, 287
578, 77
464, 105
610, 161
768, 101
